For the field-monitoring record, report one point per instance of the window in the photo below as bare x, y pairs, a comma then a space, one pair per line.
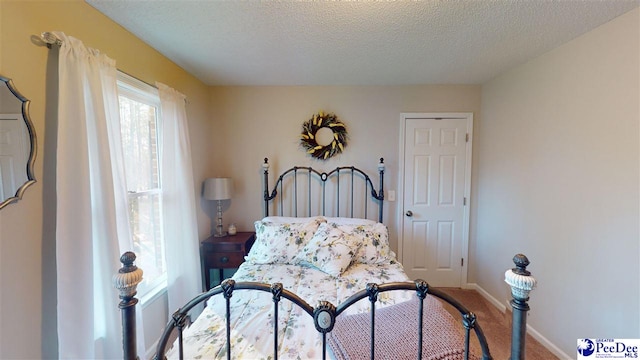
139, 124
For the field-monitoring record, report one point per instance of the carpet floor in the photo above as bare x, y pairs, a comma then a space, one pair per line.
496, 326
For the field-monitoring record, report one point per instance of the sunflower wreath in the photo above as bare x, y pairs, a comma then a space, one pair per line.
309, 142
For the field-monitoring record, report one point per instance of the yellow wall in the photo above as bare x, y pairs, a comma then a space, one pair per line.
27, 242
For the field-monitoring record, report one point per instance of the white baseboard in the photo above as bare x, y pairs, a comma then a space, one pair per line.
548, 344
530, 330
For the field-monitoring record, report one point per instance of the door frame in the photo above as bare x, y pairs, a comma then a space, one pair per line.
467, 184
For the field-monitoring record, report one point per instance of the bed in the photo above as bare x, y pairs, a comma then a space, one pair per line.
322, 282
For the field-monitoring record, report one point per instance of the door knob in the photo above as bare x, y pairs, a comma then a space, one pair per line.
409, 213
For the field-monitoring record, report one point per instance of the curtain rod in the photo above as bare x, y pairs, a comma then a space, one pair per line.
51, 39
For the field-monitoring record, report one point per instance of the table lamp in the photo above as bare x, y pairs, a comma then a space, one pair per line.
218, 189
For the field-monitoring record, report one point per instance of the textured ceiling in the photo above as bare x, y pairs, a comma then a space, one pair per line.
356, 42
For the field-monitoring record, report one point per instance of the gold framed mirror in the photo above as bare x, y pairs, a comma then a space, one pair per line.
17, 144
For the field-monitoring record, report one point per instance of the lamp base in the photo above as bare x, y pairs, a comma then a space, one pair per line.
219, 232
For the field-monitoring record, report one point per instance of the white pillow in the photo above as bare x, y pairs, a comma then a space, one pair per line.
279, 243
374, 243
329, 250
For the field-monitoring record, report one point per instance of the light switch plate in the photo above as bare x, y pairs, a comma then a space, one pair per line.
391, 195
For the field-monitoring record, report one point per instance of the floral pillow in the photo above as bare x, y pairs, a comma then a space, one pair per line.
329, 250
279, 243
374, 243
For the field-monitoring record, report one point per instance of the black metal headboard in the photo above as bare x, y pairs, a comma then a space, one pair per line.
343, 183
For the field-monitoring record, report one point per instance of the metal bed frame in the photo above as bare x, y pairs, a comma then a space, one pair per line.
313, 176
325, 314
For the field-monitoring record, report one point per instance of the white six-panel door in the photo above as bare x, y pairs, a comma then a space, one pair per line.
435, 178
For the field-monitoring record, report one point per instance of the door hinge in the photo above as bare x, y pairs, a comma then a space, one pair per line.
464, 201
466, 138
461, 261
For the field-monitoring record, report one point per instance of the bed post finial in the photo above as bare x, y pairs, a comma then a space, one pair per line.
381, 190
521, 282
126, 281
265, 169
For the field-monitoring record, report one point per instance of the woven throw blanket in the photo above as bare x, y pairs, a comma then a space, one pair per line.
396, 335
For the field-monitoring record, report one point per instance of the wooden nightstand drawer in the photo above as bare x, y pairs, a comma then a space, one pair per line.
223, 260
223, 247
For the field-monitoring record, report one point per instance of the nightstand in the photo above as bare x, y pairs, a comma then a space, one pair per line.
225, 252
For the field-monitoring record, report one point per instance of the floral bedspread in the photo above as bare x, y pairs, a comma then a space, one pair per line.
252, 311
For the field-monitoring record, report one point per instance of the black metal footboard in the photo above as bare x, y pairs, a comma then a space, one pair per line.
325, 314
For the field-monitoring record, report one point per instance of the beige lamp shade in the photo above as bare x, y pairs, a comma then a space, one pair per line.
218, 189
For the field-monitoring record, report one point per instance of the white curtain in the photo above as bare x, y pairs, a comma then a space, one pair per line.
92, 225
92, 213
178, 202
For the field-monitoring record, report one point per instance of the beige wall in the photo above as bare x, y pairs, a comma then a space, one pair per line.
558, 180
27, 243
258, 122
